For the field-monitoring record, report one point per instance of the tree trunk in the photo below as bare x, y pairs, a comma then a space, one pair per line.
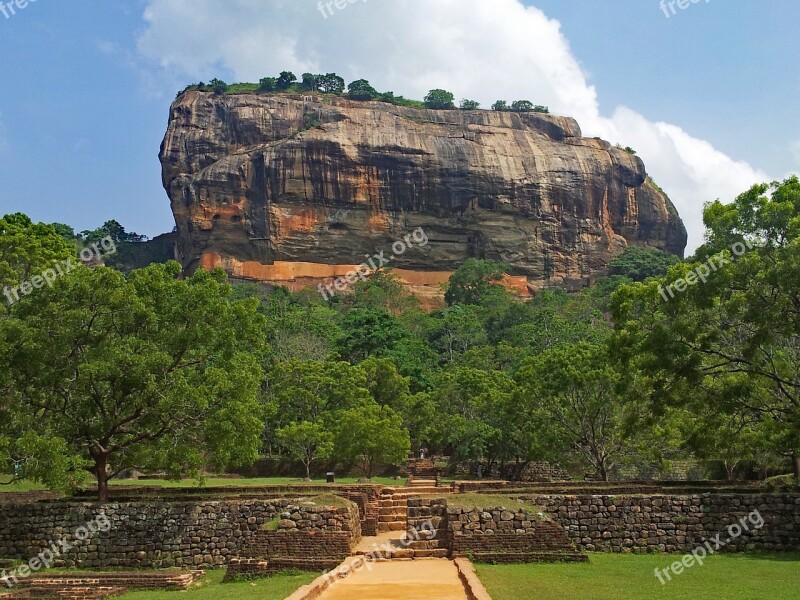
796, 464
308, 469
101, 473
603, 471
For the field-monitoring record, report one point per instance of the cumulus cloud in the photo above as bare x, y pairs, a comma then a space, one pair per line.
478, 49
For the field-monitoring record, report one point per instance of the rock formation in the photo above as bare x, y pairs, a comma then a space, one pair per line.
297, 190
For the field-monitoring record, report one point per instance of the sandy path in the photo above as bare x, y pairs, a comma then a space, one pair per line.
435, 579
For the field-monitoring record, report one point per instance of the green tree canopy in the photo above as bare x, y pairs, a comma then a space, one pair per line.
733, 338
285, 80
372, 436
28, 248
477, 282
361, 90
306, 442
440, 99
576, 388
146, 371
639, 263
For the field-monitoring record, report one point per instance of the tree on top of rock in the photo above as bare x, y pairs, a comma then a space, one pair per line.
440, 100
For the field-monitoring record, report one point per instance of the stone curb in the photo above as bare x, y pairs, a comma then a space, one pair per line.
316, 588
469, 577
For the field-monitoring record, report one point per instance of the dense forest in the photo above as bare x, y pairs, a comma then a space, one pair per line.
660, 360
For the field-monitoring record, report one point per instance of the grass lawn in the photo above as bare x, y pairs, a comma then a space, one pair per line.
631, 577
486, 501
260, 481
19, 486
27, 486
212, 588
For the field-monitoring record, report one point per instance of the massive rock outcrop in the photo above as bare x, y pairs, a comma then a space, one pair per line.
297, 190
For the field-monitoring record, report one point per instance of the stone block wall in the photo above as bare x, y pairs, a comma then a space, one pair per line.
485, 534
675, 523
156, 534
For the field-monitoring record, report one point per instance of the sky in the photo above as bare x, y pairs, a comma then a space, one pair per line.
707, 94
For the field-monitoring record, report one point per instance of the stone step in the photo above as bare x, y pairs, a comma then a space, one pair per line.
438, 553
393, 510
424, 545
393, 518
391, 526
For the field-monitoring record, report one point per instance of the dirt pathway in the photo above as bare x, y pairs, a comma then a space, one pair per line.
434, 579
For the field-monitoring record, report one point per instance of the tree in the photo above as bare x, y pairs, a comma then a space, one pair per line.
470, 105
734, 337
541, 109
469, 403
218, 86
500, 106
285, 80
147, 371
440, 100
65, 231
477, 282
306, 442
576, 387
639, 263
385, 384
330, 83
460, 329
382, 291
298, 390
112, 229
27, 249
310, 82
368, 332
268, 84
372, 436
361, 90
522, 106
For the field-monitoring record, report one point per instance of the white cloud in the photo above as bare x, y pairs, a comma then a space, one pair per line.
478, 49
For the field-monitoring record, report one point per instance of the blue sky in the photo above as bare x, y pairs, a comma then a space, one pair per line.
708, 95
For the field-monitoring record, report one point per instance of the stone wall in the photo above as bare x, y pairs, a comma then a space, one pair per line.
676, 523
156, 534
502, 535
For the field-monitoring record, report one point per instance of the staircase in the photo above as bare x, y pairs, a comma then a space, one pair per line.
423, 474
392, 511
426, 535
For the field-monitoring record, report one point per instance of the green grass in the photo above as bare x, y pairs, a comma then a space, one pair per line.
212, 588
486, 501
19, 486
255, 482
631, 577
27, 486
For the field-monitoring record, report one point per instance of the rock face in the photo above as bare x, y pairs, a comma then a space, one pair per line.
298, 190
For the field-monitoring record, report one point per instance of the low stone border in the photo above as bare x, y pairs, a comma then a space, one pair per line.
469, 577
316, 588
